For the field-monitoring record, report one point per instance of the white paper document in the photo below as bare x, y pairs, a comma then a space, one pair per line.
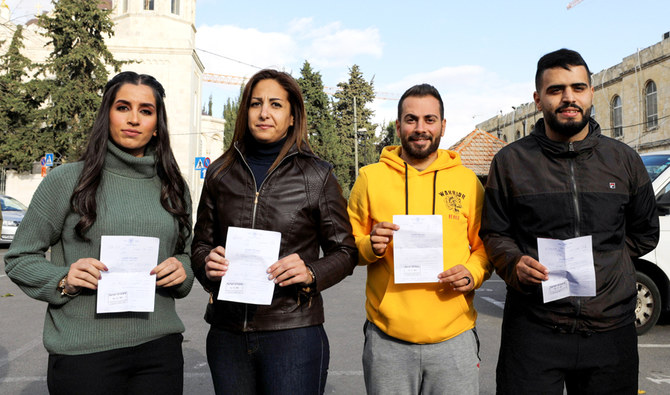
417, 249
249, 252
127, 285
570, 265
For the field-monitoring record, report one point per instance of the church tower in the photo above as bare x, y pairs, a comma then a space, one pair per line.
158, 37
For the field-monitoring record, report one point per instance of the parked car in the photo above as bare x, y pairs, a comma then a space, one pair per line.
12, 214
653, 269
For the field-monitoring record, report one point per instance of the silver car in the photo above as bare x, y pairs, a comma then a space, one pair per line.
12, 214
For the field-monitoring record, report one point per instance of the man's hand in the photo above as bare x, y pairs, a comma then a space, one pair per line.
459, 277
531, 271
381, 235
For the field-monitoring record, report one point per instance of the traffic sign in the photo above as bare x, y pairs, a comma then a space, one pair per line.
49, 159
202, 162
202, 173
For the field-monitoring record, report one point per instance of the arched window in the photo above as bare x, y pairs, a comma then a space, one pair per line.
518, 135
651, 105
504, 137
617, 117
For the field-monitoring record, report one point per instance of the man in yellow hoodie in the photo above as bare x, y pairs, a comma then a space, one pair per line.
420, 337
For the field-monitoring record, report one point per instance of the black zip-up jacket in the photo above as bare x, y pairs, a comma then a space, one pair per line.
541, 188
299, 198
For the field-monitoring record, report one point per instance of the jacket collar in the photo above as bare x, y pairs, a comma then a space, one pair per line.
575, 148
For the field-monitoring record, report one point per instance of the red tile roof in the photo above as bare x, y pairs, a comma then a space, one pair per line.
477, 150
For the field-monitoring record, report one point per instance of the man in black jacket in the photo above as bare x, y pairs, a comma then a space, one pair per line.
563, 181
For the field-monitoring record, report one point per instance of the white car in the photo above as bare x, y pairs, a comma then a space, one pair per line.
653, 269
12, 214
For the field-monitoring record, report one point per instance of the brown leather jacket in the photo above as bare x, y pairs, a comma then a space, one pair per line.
299, 198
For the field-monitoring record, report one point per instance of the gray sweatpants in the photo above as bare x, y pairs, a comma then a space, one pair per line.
393, 366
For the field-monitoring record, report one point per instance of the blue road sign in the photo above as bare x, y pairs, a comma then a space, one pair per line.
49, 159
200, 163
202, 173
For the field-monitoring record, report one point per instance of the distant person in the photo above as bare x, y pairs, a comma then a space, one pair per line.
563, 181
269, 179
127, 183
420, 338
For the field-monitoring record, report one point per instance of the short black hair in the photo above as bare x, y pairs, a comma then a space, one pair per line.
562, 58
421, 90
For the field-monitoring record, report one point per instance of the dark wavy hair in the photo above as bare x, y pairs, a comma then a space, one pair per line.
173, 188
297, 134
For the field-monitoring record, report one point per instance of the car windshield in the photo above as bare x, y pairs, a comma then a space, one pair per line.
656, 164
11, 204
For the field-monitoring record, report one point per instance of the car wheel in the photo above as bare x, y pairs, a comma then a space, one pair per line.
648, 306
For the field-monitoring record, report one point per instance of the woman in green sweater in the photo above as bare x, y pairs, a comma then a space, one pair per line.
127, 183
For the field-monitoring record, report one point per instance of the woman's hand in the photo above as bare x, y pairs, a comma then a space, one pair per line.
84, 273
216, 264
290, 270
170, 272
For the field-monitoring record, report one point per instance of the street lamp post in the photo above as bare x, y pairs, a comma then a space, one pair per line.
355, 142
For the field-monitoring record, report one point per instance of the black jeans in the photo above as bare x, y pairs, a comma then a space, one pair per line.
152, 367
291, 361
535, 359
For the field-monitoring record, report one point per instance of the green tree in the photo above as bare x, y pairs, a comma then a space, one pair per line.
75, 72
22, 144
389, 137
356, 87
230, 110
320, 122
210, 103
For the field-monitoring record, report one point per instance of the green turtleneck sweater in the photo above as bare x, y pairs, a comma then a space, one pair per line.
128, 204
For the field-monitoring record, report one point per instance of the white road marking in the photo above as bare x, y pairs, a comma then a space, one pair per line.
493, 301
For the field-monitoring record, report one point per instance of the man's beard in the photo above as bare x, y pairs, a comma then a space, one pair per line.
568, 128
418, 153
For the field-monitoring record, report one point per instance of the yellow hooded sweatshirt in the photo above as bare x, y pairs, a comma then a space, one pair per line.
422, 312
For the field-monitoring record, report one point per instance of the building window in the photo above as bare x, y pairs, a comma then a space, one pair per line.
175, 7
518, 135
148, 4
125, 6
617, 117
651, 105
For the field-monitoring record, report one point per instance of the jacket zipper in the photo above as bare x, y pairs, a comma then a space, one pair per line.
253, 213
575, 199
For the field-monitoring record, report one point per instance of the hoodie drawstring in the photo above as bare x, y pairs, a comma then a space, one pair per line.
407, 190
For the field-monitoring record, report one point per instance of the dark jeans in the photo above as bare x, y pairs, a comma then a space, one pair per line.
291, 361
152, 367
535, 359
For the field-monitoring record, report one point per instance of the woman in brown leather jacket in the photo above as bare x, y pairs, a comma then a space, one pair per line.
270, 180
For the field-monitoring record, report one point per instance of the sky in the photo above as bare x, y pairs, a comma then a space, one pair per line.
480, 54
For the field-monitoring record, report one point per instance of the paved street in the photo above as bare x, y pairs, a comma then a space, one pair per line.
23, 358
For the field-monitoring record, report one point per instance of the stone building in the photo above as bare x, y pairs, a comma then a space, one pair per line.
158, 37
631, 102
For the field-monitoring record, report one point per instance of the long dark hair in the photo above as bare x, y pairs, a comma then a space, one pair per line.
297, 134
172, 184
